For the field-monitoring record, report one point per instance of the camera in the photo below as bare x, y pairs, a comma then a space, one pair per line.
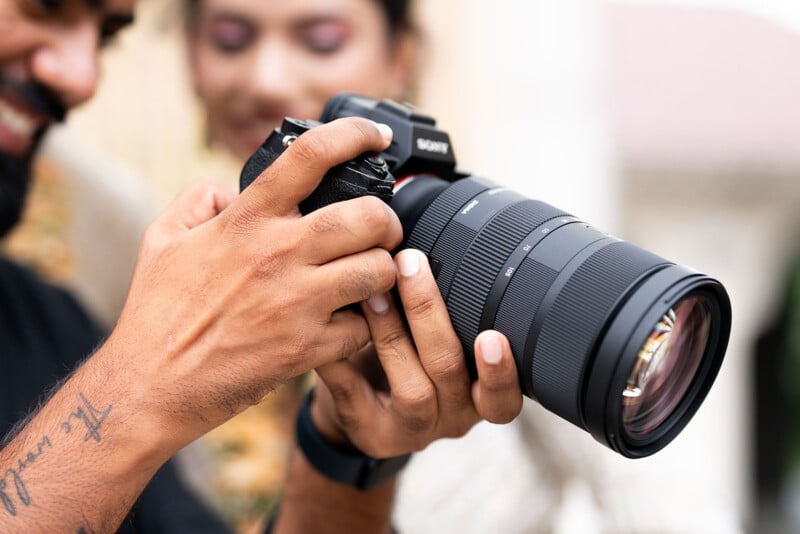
615, 339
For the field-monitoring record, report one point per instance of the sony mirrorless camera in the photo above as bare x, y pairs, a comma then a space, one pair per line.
613, 338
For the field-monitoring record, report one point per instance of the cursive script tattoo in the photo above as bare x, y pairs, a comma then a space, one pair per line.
90, 416
13, 482
14, 474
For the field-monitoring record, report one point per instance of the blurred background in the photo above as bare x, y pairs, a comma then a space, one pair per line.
674, 125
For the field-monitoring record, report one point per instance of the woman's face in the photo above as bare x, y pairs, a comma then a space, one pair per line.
255, 62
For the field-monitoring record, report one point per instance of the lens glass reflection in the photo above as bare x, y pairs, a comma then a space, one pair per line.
665, 366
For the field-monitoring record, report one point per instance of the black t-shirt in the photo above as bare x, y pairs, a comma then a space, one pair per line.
45, 334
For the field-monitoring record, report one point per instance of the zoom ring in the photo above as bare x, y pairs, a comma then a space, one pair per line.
580, 309
484, 260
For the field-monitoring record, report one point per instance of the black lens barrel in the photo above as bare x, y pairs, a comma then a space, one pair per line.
557, 288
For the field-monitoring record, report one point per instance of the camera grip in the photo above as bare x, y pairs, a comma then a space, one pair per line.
368, 174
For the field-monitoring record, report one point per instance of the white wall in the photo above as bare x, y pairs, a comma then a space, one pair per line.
521, 86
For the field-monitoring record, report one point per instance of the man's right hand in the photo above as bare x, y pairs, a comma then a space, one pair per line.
233, 295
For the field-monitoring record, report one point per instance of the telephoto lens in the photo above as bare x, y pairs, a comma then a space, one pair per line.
615, 339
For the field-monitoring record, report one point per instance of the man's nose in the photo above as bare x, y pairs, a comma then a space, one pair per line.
67, 63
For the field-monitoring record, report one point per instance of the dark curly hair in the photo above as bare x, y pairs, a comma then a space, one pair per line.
398, 13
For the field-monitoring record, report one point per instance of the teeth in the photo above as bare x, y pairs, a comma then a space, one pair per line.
16, 121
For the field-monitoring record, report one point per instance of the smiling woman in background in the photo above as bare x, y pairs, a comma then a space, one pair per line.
252, 63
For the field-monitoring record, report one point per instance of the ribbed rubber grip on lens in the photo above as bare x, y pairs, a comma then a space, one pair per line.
440, 211
576, 318
484, 260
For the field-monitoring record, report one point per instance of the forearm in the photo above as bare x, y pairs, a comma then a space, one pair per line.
314, 503
82, 460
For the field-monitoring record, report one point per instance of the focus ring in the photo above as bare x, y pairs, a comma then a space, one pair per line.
518, 309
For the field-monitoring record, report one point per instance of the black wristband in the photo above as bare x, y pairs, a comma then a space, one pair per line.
353, 468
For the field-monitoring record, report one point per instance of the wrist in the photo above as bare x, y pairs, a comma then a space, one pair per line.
139, 417
340, 460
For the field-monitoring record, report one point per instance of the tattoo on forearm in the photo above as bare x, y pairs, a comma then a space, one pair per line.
12, 484
91, 417
14, 474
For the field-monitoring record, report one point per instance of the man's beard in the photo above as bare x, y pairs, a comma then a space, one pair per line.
15, 171
15, 178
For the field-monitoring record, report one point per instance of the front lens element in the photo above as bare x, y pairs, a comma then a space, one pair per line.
665, 366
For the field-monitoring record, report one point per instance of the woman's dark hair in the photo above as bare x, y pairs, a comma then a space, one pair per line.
398, 13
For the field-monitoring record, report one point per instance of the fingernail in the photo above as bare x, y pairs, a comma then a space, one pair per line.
385, 130
378, 303
408, 263
491, 349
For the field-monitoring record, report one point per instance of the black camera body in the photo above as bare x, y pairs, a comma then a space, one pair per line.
617, 340
368, 174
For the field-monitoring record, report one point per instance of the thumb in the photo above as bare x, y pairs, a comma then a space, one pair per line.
298, 170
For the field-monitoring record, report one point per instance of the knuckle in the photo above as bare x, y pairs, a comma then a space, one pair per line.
417, 424
301, 345
267, 264
375, 213
394, 337
243, 221
420, 306
374, 275
419, 402
342, 394
356, 288
310, 148
326, 222
416, 397
446, 366
350, 345
154, 239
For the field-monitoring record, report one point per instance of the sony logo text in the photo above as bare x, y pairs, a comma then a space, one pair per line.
429, 145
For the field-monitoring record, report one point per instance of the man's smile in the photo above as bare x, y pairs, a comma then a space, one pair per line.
18, 125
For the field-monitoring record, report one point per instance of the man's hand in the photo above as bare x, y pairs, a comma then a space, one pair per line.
409, 388
231, 296
425, 392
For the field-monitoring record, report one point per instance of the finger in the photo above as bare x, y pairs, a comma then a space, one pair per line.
397, 354
353, 278
345, 333
497, 394
350, 411
197, 204
344, 228
352, 397
438, 345
298, 170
